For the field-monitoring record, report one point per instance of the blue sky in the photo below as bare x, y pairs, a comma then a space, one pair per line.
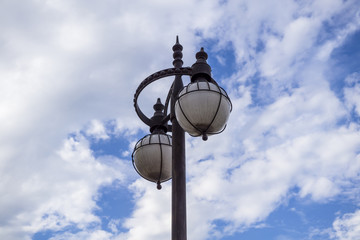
286, 168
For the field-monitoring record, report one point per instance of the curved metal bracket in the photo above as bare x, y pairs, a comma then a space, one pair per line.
152, 78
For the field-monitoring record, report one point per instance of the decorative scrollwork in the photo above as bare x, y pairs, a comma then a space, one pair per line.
161, 74
152, 78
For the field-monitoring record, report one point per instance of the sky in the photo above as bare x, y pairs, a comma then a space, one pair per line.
287, 167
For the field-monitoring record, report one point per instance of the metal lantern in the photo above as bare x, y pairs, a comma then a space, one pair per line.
202, 109
152, 157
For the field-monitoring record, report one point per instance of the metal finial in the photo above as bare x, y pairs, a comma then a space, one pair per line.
201, 68
156, 121
158, 107
177, 48
201, 55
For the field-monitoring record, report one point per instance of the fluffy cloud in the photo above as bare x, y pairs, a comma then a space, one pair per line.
352, 93
347, 226
97, 130
56, 191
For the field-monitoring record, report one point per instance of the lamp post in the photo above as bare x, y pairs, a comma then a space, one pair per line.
201, 108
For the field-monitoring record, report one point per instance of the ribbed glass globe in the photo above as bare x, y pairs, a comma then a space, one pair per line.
152, 157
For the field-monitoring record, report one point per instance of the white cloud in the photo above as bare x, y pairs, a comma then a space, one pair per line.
85, 235
113, 225
151, 217
347, 226
352, 92
97, 130
58, 191
282, 54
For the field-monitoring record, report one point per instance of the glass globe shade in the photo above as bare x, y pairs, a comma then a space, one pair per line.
202, 108
152, 157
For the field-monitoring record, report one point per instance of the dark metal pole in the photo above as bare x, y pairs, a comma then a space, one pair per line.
178, 221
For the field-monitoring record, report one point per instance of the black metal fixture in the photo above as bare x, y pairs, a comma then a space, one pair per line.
201, 108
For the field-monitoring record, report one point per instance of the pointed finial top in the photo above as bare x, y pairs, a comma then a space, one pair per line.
201, 69
158, 107
201, 55
177, 48
157, 124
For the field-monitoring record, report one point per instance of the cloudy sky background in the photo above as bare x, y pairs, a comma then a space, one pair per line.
286, 168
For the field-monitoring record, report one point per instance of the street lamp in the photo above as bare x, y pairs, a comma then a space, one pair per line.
201, 108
